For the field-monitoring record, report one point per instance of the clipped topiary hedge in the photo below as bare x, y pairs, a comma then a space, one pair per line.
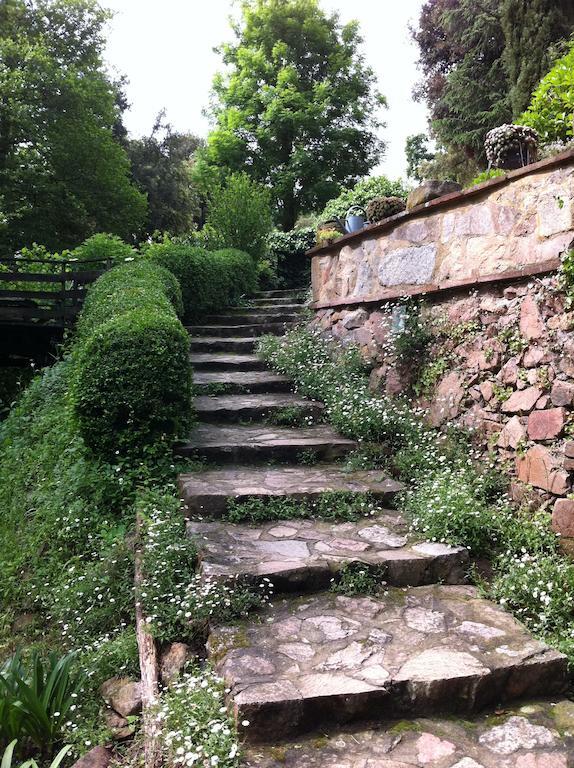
210, 280
131, 386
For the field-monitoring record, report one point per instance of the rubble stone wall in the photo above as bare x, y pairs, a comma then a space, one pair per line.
520, 222
501, 359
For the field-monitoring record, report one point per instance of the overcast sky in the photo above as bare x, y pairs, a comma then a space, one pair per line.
165, 47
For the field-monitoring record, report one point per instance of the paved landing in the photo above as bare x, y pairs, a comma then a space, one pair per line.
207, 493
231, 408
537, 735
305, 555
243, 444
333, 659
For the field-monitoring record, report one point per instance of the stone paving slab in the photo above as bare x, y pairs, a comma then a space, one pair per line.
305, 555
232, 408
537, 735
232, 344
207, 493
240, 444
213, 361
335, 659
257, 329
279, 307
252, 317
243, 381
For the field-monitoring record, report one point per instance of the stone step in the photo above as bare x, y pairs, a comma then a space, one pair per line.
301, 555
259, 407
207, 493
264, 308
259, 444
240, 382
282, 294
230, 345
253, 318
218, 361
232, 331
533, 734
278, 302
328, 659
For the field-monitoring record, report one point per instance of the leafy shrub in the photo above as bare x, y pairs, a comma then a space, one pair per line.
36, 697
493, 173
128, 333
362, 193
9, 753
551, 111
240, 213
288, 251
382, 207
210, 280
103, 246
327, 236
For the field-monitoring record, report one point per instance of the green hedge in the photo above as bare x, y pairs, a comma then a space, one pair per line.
210, 280
132, 379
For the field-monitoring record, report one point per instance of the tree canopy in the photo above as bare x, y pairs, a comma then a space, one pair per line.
63, 175
298, 107
162, 167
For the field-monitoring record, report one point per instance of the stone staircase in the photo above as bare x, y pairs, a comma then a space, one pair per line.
344, 669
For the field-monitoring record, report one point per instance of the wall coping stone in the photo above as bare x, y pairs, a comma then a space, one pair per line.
445, 202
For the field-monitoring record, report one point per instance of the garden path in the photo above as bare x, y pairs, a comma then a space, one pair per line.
325, 679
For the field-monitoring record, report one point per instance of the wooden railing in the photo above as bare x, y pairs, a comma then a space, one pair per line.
44, 291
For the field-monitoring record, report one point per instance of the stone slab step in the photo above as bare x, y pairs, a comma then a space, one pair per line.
208, 492
238, 382
278, 301
305, 555
258, 444
264, 308
259, 329
252, 318
282, 294
229, 345
258, 407
536, 734
331, 659
217, 361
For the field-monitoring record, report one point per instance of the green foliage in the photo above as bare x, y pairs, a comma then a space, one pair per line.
129, 331
63, 175
210, 280
568, 272
382, 207
12, 381
102, 246
417, 152
357, 578
412, 339
7, 758
240, 214
36, 697
287, 250
532, 29
162, 168
551, 110
193, 720
493, 173
361, 194
291, 416
330, 505
297, 106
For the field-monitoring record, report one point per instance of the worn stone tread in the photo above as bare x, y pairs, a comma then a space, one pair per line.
304, 555
207, 493
248, 329
252, 407
243, 444
217, 361
252, 317
535, 735
243, 381
231, 344
417, 651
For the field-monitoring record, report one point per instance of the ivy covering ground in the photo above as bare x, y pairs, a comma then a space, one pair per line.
452, 494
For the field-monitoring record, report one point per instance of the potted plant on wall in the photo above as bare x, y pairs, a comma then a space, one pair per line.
511, 146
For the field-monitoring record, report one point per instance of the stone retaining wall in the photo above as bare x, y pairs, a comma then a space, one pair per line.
501, 361
518, 223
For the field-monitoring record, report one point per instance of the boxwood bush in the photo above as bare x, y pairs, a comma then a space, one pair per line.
131, 387
210, 280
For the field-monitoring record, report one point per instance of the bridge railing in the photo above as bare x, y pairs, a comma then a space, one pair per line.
45, 291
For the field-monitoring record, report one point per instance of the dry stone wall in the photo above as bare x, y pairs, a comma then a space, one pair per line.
501, 358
